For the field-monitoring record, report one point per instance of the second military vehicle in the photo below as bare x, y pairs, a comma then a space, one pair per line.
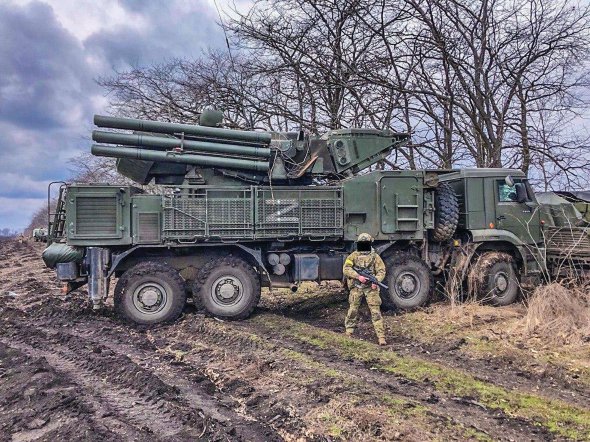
39, 234
240, 210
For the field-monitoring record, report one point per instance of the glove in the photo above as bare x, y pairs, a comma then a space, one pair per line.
362, 279
374, 286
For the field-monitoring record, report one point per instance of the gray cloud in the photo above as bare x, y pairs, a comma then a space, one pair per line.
171, 30
43, 75
47, 89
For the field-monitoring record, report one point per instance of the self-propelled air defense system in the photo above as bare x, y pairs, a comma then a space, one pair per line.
240, 210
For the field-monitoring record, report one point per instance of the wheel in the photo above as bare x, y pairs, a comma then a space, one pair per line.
493, 279
410, 282
150, 293
228, 288
446, 215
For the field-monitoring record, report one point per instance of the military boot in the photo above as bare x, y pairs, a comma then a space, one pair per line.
382, 341
349, 332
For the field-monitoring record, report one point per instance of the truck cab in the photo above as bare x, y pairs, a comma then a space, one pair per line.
499, 218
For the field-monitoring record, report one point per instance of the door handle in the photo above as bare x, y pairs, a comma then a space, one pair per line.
501, 217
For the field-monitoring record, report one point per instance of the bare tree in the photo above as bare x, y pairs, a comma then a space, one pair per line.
486, 83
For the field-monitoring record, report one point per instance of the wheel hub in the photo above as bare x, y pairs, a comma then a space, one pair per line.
407, 285
227, 290
149, 298
501, 281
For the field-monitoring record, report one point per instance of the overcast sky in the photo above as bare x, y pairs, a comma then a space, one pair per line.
51, 51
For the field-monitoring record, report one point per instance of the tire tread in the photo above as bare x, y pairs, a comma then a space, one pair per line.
149, 268
446, 216
231, 261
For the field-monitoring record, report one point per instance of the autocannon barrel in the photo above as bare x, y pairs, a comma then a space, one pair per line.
175, 157
171, 143
189, 129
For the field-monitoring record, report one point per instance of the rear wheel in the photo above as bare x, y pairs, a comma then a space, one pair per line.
150, 293
410, 282
493, 279
228, 288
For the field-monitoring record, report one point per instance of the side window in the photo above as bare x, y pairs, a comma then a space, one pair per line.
510, 194
506, 193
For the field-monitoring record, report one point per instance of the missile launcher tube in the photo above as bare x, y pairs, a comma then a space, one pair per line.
175, 128
184, 158
171, 143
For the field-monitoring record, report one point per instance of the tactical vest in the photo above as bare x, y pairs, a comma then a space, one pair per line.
365, 262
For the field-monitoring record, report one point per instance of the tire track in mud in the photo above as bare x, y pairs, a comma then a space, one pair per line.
133, 392
168, 373
237, 338
462, 412
55, 405
529, 424
503, 372
81, 336
228, 410
142, 410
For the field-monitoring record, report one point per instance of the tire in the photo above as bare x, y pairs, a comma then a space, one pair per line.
228, 288
410, 282
150, 293
492, 279
446, 215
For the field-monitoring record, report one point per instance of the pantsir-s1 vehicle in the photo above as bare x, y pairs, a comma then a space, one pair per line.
241, 210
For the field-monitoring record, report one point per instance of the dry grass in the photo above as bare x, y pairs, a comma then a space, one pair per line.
559, 314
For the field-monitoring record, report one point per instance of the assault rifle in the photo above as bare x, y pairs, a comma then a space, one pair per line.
370, 277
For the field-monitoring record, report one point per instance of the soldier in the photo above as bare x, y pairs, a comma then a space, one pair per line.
364, 257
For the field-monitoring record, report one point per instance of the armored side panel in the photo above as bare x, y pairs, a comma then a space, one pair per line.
472, 204
568, 243
388, 205
147, 219
208, 212
98, 215
253, 213
299, 212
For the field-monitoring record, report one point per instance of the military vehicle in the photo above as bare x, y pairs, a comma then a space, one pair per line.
39, 234
240, 210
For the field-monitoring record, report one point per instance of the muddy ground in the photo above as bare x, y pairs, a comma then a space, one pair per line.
287, 373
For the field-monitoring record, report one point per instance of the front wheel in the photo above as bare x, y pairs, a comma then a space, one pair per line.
150, 293
228, 288
410, 282
493, 279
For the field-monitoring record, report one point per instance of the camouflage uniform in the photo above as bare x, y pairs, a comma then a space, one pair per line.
374, 264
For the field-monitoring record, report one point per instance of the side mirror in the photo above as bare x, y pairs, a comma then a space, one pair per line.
509, 181
521, 193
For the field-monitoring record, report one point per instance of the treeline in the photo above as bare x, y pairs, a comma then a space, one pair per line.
6, 232
488, 83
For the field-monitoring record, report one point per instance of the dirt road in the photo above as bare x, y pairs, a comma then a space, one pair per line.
288, 373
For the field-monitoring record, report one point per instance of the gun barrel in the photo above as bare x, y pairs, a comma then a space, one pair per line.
174, 157
174, 128
171, 143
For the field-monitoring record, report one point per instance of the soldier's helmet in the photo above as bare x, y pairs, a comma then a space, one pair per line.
364, 243
364, 237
